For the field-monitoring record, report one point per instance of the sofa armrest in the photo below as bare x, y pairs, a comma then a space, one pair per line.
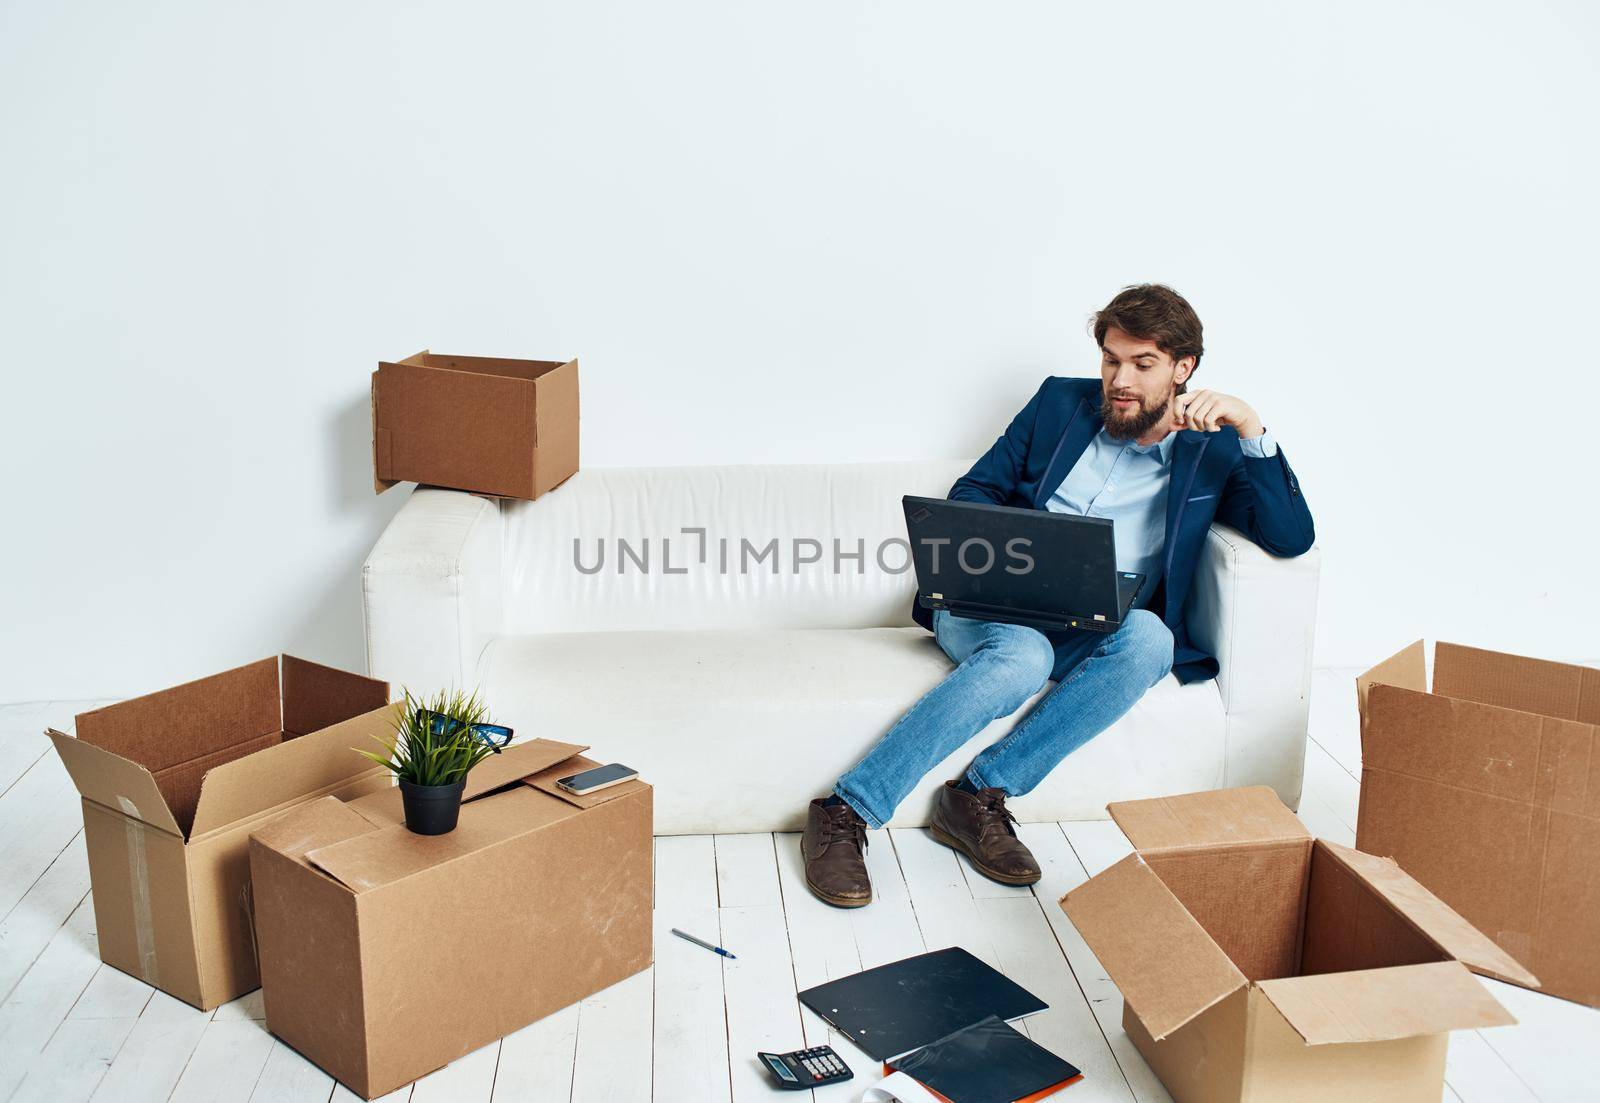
1257, 614
430, 590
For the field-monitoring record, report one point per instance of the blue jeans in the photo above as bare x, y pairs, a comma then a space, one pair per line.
998, 667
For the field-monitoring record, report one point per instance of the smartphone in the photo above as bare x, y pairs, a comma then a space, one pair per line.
598, 778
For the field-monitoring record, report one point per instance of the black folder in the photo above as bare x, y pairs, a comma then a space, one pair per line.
898, 1007
990, 1062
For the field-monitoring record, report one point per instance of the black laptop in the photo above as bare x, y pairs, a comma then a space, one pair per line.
1051, 571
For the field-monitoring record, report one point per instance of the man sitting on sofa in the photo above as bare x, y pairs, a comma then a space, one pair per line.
1163, 463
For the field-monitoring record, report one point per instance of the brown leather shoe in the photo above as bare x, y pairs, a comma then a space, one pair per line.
980, 827
833, 848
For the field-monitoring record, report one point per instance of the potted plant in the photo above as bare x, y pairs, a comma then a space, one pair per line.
436, 743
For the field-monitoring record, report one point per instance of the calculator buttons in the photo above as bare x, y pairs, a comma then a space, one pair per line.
817, 1066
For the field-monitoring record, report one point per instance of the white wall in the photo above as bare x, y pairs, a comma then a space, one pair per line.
776, 232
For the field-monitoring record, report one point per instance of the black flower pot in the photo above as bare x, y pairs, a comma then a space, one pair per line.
432, 809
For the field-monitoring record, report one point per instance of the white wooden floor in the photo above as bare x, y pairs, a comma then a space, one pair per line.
73, 1029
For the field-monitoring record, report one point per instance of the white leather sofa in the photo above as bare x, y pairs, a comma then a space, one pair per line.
743, 693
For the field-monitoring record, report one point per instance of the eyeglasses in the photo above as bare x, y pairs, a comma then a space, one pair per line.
493, 736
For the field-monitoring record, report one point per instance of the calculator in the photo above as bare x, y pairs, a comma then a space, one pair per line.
806, 1068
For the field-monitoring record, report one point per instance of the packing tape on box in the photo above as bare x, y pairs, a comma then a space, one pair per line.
144, 931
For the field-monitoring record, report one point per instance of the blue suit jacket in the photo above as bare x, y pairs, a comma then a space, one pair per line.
1211, 480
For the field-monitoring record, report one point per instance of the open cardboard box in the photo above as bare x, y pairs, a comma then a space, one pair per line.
386, 955
1487, 791
1259, 964
173, 782
506, 428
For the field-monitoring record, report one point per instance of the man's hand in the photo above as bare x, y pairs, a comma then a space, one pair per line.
1208, 411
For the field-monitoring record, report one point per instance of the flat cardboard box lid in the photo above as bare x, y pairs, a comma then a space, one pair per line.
546, 781
519, 761
1433, 918
380, 856
1252, 814
1563, 691
387, 852
516, 762
1375, 1005
114, 782
1168, 968
311, 826
1405, 669
304, 764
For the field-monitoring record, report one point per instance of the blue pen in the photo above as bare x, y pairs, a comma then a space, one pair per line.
714, 949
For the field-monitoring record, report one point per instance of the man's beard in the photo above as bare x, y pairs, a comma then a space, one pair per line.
1131, 426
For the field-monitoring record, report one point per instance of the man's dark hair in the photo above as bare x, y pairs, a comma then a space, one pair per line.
1154, 312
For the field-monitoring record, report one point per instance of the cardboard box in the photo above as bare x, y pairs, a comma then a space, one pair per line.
1487, 790
386, 955
507, 428
172, 784
1259, 964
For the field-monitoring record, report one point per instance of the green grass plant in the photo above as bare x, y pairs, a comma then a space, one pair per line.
418, 753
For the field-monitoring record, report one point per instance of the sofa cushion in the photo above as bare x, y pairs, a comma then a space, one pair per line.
764, 720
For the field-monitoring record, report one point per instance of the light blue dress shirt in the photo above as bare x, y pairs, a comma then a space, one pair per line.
1127, 483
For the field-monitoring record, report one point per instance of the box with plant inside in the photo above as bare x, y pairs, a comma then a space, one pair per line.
436, 743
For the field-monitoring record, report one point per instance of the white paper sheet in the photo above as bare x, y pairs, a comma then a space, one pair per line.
897, 1087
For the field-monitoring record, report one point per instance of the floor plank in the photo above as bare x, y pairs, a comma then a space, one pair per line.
226, 1063
1329, 799
1061, 872
468, 1079
22, 733
822, 942
1334, 722
536, 1061
288, 1077
20, 728
946, 911
888, 930
1552, 1046
39, 816
1323, 822
613, 1059
1030, 955
762, 1013
883, 932
1098, 844
759, 984
149, 1064
112, 994
247, 1007
1327, 781
41, 999
1478, 1074
75, 1061
747, 874
30, 926
1011, 934
690, 1020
